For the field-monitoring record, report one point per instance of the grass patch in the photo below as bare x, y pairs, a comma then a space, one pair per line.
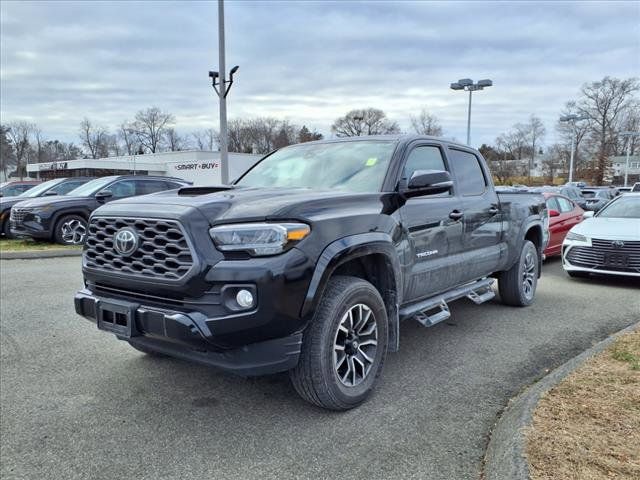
27, 244
588, 426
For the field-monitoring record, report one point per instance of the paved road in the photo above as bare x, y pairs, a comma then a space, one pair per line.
77, 403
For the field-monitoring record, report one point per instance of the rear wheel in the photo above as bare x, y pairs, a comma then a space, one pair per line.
71, 230
344, 346
517, 286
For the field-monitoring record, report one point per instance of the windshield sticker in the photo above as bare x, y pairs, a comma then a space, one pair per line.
371, 162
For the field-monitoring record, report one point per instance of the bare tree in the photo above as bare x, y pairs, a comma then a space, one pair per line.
127, 135
426, 124
305, 135
536, 132
368, 121
150, 126
20, 134
205, 139
605, 103
7, 153
174, 141
94, 138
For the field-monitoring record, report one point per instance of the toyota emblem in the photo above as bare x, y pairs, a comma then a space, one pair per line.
125, 241
618, 244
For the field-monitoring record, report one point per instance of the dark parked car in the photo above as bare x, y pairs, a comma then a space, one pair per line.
563, 215
59, 186
597, 197
570, 191
310, 260
13, 189
64, 218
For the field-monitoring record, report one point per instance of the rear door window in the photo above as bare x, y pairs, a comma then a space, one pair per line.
466, 166
145, 187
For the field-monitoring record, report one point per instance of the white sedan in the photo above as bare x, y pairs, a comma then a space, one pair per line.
606, 242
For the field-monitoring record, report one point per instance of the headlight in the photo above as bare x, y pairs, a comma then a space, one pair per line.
576, 237
257, 239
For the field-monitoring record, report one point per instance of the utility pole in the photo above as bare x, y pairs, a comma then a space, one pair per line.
224, 152
572, 118
222, 86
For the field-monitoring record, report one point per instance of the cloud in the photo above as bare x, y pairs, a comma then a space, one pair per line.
308, 62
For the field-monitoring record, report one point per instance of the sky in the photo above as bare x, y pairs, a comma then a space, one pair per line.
308, 62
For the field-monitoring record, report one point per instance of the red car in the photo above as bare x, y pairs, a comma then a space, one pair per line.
563, 214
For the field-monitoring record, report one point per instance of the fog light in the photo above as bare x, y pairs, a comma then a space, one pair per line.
37, 219
244, 298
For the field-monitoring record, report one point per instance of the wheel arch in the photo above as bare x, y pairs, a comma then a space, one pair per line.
370, 256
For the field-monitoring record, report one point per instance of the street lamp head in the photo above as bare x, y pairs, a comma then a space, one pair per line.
485, 83
465, 82
456, 86
234, 69
213, 75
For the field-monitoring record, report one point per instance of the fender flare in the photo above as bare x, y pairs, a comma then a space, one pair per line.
349, 248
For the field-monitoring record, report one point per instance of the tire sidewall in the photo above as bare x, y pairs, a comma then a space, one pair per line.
367, 295
528, 247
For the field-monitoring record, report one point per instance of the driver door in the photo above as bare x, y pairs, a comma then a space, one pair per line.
434, 227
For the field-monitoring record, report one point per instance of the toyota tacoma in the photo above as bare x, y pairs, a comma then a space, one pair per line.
311, 259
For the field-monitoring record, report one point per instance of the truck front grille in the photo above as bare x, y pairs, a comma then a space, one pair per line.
162, 250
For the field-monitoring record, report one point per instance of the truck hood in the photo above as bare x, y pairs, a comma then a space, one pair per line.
609, 228
248, 203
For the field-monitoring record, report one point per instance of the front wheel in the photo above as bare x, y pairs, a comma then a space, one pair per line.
344, 346
71, 230
6, 229
517, 286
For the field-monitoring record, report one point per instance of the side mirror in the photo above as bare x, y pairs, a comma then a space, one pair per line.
104, 195
50, 194
554, 213
588, 214
428, 182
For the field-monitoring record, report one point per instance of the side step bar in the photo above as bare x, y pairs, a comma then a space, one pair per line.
435, 309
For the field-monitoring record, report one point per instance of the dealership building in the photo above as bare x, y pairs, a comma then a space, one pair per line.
202, 167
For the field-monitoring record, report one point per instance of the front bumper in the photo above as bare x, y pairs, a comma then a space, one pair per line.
589, 257
187, 336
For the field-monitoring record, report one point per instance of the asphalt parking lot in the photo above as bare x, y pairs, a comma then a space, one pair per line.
77, 403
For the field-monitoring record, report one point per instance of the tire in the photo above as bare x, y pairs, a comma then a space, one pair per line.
70, 230
6, 229
517, 286
147, 351
336, 371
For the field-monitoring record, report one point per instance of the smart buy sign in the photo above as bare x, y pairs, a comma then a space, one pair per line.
200, 173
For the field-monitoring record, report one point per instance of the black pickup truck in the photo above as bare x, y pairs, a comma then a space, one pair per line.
309, 261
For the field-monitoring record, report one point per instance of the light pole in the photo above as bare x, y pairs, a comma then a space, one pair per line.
572, 118
629, 136
218, 80
468, 85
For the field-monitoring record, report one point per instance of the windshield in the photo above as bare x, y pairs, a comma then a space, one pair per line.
623, 207
39, 189
358, 166
91, 187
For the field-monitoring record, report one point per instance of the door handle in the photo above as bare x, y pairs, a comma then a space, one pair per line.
456, 215
493, 210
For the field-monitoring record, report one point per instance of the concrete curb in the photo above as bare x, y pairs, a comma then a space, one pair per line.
32, 254
505, 456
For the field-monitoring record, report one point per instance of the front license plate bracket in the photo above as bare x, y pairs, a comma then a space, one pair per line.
117, 317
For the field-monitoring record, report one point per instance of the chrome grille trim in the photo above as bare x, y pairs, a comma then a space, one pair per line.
163, 252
